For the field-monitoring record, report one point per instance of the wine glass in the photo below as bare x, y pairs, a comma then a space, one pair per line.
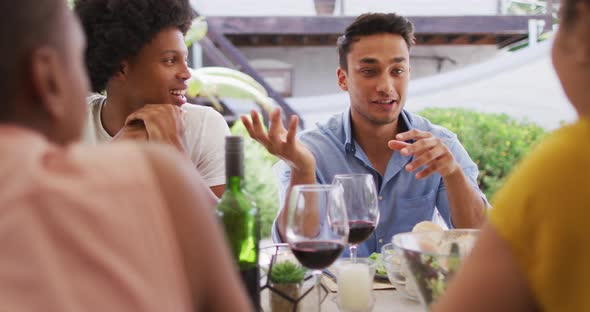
317, 227
360, 197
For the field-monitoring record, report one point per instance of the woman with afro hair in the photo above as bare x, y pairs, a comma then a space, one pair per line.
137, 62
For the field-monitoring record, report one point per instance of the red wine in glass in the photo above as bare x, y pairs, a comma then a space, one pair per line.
360, 231
360, 197
317, 255
317, 227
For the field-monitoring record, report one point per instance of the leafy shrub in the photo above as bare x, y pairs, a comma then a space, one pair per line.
260, 181
495, 142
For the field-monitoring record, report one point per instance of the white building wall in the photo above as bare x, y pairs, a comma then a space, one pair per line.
463, 55
314, 68
423, 7
254, 7
351, 7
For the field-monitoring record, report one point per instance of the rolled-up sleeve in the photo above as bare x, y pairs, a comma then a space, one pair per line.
471, 172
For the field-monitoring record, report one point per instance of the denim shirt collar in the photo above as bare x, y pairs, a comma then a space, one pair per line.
347, 125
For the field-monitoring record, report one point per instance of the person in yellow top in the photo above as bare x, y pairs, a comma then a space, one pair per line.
534, 253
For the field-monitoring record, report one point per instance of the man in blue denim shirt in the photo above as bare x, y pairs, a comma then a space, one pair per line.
417, 166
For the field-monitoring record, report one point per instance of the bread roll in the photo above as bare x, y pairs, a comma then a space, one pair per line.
427, 226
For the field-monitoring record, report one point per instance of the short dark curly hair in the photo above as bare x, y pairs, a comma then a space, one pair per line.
117, 30
372, 24
24, 27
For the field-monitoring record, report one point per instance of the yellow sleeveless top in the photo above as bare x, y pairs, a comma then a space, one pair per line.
543, 212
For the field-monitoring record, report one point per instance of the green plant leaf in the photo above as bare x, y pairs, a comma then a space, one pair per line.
236, 74
229, 87
195, 84
197, 31
219, 83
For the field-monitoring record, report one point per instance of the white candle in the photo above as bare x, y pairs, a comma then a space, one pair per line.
354, 286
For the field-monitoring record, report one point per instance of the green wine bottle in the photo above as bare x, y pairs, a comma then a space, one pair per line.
239, 216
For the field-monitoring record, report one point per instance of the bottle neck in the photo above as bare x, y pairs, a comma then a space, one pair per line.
234, 183
234, 171
234, 163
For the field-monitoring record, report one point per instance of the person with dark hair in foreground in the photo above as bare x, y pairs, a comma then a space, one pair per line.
420, 169
121, 227
533, 255
137, 55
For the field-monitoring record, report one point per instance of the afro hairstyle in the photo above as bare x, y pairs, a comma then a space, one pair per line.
117, 30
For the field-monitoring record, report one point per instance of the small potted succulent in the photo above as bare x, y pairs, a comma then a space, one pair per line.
287, 278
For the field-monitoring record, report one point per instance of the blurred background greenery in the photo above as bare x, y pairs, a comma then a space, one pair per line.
495, 142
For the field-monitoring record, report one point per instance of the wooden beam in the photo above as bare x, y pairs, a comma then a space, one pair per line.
486, 39
423, 39
288, 25
474, 38
508, 40
436, 40
283, 40
330, 40
214, 54
463, 39
450, 39
335, 25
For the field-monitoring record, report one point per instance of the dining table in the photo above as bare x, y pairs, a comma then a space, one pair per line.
386, 297
385, 300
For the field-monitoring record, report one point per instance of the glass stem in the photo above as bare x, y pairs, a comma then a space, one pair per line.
318, 278
352, 249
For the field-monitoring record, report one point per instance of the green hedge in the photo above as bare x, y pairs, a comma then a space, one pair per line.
495, 142
260, 181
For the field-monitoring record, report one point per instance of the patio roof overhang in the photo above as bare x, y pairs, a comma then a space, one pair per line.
500, 30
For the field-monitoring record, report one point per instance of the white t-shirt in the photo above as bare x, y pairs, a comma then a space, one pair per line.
204, 137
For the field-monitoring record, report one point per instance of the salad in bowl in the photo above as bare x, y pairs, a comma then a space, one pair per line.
433, 258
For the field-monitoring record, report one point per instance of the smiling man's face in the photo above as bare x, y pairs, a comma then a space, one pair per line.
159, 73
377, 78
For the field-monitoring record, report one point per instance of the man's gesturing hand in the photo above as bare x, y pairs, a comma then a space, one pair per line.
428, 151
280, 141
